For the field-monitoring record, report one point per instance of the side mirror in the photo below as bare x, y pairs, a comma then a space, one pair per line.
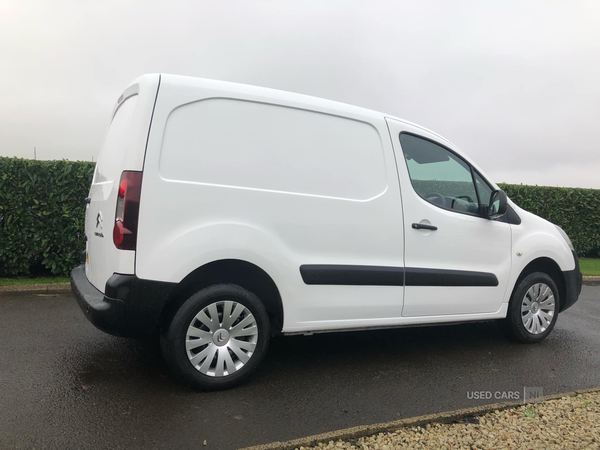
498, 205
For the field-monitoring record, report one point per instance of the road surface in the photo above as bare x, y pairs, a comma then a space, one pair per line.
65, 384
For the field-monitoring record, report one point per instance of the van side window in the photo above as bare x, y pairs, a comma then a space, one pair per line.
438, 175
483, 189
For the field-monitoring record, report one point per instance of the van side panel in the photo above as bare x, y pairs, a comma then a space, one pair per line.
255, 145
278, 182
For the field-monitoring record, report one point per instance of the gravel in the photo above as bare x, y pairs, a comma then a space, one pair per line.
565, 423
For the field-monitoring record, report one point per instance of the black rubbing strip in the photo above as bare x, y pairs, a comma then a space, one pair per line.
442, 277
346, 275
352, 275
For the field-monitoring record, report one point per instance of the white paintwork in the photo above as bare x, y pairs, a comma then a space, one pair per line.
282, 221
279, 180
537, 238
225, 141
123, 149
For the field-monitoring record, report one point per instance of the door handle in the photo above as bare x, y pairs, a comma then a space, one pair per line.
423, 226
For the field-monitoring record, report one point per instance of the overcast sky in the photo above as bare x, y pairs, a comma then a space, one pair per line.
515, 84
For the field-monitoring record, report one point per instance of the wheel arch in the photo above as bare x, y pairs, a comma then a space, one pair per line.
236, 271
550, 267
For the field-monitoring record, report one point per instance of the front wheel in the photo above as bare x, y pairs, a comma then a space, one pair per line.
533, 309
218, 337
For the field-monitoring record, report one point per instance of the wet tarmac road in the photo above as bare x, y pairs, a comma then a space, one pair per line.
64, 384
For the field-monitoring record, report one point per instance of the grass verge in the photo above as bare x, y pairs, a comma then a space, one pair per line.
590, 266
23, 281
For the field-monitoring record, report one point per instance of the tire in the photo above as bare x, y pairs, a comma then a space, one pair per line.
199, 343
532, 290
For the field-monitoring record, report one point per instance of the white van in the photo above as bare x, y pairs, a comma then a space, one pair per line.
222, 214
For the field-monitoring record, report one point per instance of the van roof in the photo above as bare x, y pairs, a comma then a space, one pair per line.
288, 98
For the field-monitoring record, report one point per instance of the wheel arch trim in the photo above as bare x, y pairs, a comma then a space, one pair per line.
550, 267
245, 273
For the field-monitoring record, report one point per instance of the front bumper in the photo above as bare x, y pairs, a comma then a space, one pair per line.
573, 282
130, 306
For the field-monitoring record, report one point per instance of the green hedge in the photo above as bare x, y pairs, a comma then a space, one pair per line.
42, 206
577, 211
42, 214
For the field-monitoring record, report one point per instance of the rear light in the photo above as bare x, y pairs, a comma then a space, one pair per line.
122, 188
128, 208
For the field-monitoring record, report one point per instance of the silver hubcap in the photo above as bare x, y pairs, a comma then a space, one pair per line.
221, 338
537, 308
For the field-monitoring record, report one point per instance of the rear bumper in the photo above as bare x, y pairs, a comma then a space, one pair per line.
130, 307
573, 282
107, 314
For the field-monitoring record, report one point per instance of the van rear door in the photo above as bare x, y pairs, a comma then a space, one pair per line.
123, 150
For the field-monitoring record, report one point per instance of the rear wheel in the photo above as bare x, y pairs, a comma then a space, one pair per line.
533, 309
218, 337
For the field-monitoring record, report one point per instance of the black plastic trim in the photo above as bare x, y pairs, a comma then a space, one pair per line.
129, 307
333, 274
106, 314
511, 217
424, 226
443, 277
349, 275
144, 301
573, 283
